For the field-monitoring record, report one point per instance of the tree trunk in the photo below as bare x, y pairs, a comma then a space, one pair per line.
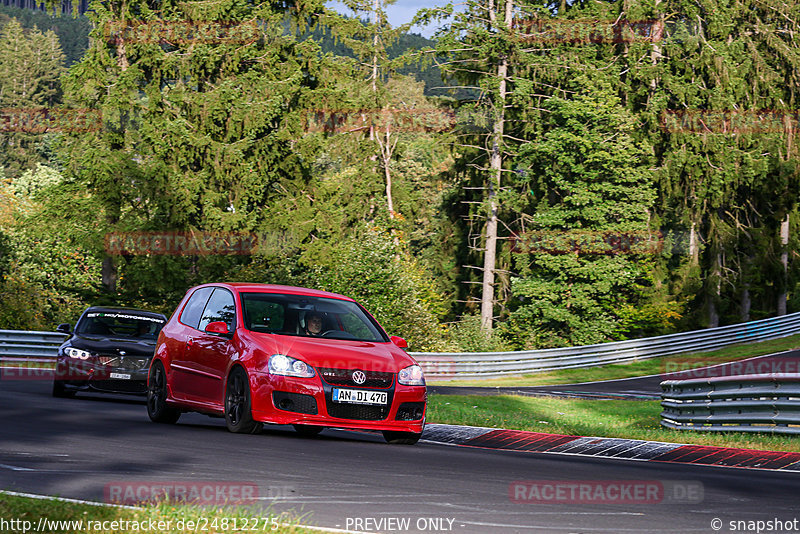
744, 311
714, 297
108, 274
785, 263
387, 149
496, 166
655, 51
694, 248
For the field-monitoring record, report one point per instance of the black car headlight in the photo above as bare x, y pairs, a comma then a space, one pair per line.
78, 354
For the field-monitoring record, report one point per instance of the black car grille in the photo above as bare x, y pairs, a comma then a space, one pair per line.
344, 377
358, 411
128, 363
120, 386
295, 402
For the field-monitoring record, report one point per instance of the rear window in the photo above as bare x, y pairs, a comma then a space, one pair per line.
190, 316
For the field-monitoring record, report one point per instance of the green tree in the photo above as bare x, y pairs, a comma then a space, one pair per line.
199, 135
31, 63
588, 186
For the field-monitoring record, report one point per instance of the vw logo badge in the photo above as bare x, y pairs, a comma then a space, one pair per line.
122, 353
359, 377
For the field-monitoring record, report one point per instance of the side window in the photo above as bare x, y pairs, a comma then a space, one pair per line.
190, 316
220, 307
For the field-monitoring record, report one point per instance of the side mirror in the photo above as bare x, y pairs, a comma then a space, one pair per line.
64, 328
399, 341
219, 328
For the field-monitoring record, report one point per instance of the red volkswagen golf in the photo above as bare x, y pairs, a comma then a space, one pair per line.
257, 353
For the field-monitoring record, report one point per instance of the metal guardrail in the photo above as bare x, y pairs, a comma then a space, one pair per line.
17, 345
29, 346
491, 364
746, 403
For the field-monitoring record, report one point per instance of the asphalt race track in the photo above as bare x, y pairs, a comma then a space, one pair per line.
76, 447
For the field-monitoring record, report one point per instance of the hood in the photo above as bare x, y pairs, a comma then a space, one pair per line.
111, 345
337, 353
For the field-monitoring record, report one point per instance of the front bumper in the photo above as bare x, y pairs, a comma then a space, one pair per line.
308, 401
119, 376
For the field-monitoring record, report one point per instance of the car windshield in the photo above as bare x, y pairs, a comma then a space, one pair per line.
300, 315
120, 324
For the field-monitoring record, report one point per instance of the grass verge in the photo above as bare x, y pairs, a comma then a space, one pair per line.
652, 366
580, 417
23, 514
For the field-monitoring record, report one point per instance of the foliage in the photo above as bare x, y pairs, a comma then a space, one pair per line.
467, 336
371, 267
587, 173
50, 281
34, 181
31, 63
72, 31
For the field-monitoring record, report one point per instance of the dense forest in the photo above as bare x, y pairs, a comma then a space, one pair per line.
539, 174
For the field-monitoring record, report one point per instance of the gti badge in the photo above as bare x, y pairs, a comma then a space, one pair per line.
359, 377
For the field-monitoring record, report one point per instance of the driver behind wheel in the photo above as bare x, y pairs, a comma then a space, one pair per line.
313, 324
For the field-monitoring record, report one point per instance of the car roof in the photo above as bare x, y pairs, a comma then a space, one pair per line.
120, 309
246, 287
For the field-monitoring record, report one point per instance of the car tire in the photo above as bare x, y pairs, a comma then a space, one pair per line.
157, 407
238, 413
401, 438
60, 390
308, 430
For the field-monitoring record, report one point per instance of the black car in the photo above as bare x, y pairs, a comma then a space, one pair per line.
109, 350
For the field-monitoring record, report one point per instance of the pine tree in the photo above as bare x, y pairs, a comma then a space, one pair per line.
199, 134
31, 64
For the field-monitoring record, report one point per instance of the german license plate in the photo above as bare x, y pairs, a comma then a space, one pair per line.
120, 376
359, 396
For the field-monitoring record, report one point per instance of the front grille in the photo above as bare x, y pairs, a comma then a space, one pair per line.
344, 377
121, 386
128, 363
410, 411
295, 402
358, 411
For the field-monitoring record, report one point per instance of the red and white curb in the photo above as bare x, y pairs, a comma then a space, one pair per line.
618, 448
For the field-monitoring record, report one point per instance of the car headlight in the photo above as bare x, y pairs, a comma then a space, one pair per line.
280, 364
411, 376
79, 354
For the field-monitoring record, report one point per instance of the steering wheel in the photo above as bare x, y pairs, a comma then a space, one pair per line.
339, 333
